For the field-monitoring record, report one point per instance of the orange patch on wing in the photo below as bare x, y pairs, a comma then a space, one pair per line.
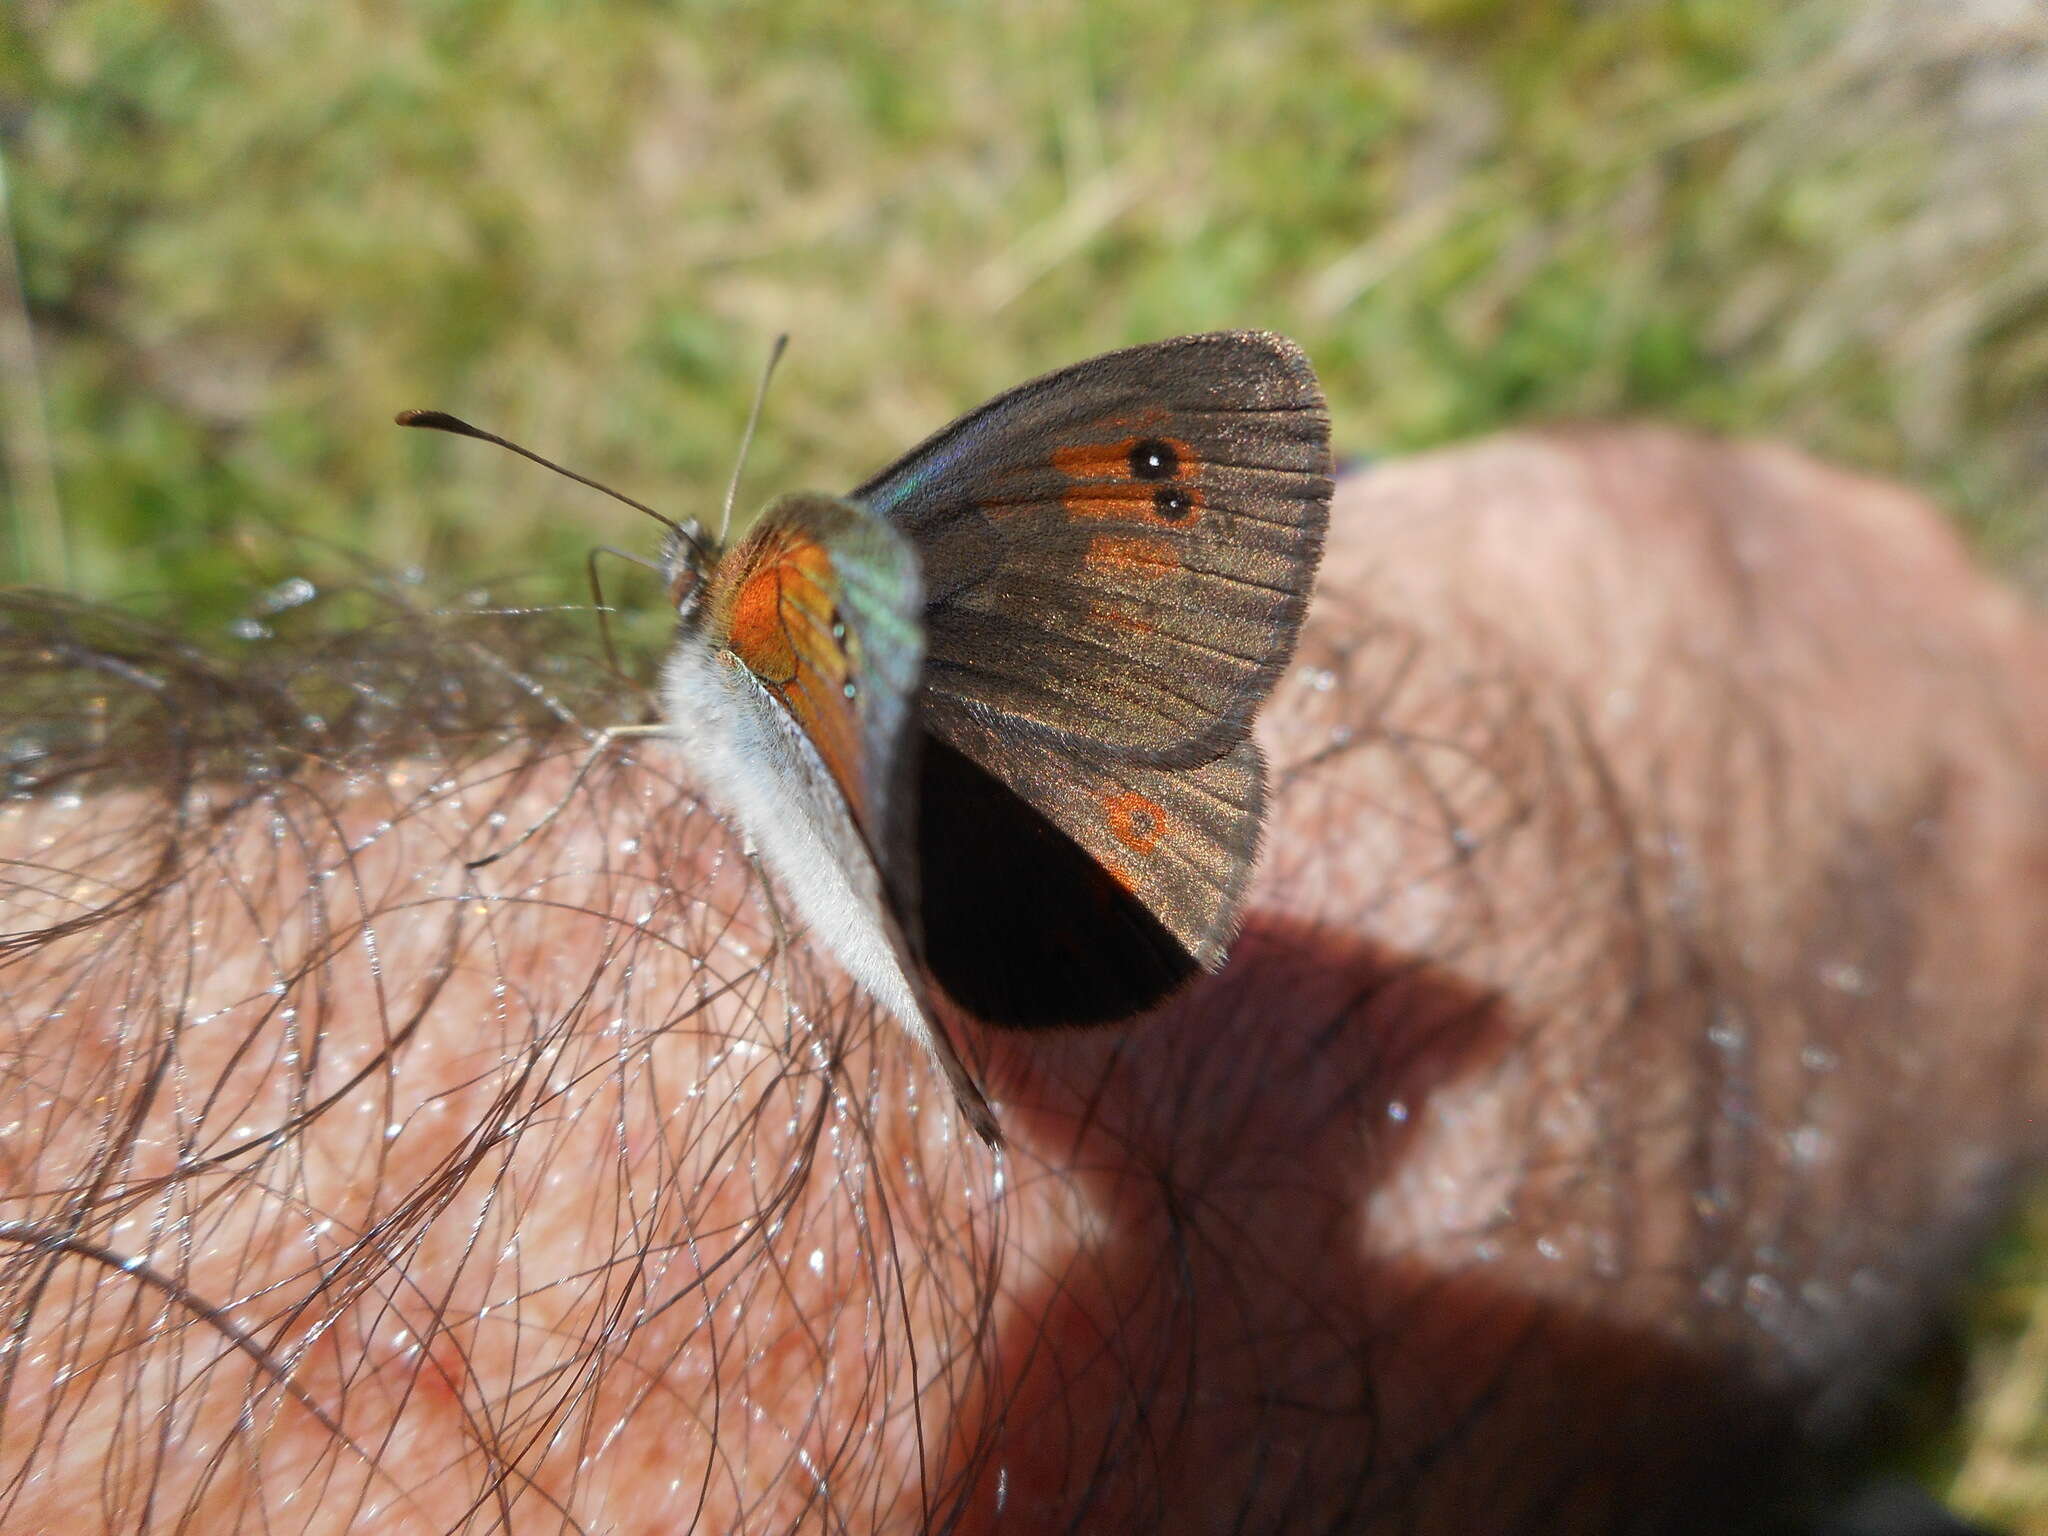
832, 722
1106, 486
781, 630
759, 637
1131, 555
1095, 461
787, 593
1121, 875
1135, 821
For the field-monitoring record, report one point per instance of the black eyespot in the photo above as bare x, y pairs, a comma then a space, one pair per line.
849, 690
1172, 503
1153, 459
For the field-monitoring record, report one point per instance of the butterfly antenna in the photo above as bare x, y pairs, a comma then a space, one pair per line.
441, 421
732, 489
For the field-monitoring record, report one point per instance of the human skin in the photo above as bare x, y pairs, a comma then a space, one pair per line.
1635, 1025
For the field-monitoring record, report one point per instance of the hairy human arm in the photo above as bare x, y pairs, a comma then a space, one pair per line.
1635, 1024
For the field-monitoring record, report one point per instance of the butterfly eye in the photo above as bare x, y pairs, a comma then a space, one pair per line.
687, 560
683, 585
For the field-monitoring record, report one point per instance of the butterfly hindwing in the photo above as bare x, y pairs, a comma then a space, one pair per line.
803, 677
1121, 552
1066, 887
821, 603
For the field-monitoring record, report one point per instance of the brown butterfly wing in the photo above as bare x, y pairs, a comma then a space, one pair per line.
1063, 887
1121, 552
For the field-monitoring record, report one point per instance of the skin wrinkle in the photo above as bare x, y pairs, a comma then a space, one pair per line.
1623, 793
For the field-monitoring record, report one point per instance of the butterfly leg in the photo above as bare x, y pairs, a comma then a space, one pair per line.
604, 609
602, 744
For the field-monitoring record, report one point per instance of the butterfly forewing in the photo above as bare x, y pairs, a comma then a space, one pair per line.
821, 602
1122, 552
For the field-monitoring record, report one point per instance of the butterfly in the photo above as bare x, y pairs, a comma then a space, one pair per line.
986, 719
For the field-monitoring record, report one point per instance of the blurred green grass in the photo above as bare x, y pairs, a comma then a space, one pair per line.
248, 234
243, 235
